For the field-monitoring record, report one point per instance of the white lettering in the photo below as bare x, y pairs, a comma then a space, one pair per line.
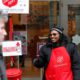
4, 1
65, 64
10, 2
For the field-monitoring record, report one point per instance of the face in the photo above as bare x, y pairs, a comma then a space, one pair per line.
54, 35
3, 32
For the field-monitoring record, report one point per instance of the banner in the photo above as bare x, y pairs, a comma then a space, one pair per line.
11, 48
14, 6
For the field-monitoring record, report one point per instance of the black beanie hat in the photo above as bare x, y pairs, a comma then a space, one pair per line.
57, 28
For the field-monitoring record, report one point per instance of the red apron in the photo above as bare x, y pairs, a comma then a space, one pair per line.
59, 67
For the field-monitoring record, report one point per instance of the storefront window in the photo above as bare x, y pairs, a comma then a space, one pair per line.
43, 15
35, 28
74, 23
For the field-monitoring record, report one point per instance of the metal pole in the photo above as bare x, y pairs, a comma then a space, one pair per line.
18, 62
51, 23
60, 8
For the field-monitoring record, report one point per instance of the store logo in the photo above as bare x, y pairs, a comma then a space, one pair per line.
60, 59
18, 47
9, 3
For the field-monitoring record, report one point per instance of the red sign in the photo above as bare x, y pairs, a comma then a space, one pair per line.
9, 3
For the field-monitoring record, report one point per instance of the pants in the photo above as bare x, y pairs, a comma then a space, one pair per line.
22, 60
2, 70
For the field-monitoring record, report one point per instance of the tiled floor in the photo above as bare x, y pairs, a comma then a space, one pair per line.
30, 79
29, 72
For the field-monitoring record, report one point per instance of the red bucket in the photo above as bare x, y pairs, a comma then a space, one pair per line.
14, 74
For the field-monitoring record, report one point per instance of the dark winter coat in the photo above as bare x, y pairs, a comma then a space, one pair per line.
45, 54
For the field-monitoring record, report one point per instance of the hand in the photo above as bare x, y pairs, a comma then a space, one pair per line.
36, 59
37, 56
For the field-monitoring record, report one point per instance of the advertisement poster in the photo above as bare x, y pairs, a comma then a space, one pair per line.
14, 6
22, 36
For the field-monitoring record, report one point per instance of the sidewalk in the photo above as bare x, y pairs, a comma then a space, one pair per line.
30, 78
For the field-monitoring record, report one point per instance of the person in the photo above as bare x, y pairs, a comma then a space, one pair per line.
3, 33
59, 58
24, 52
